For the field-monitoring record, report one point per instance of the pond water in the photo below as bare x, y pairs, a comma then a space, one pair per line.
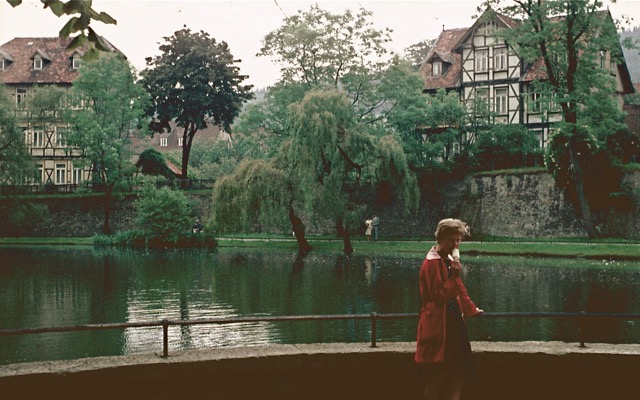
64, 286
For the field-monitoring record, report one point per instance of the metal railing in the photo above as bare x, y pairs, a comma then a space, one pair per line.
581, 317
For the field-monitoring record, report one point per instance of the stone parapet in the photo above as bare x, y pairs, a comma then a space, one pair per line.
522, 370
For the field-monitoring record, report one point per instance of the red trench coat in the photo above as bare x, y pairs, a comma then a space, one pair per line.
436, 290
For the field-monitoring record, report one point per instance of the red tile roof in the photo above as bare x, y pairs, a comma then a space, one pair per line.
57, 65
443, 50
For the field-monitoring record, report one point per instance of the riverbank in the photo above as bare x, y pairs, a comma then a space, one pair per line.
516, 370
558, 248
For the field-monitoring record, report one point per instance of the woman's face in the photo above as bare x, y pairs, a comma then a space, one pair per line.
449, 242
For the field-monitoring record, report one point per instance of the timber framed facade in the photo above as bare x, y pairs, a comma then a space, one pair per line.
30, 66
478, 65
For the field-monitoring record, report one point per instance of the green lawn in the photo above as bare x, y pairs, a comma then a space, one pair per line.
549, 248
605, 249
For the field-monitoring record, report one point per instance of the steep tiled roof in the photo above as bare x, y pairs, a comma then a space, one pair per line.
443, 50
57, 68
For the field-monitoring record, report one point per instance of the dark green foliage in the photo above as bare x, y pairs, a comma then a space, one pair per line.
152, 162
18, 217
15, 160
195, 83
163, 214
256, 195
507, 146
139, 240
103, 129
82, 14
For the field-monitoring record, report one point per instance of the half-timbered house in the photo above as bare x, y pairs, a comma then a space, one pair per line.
476, 63
29, 65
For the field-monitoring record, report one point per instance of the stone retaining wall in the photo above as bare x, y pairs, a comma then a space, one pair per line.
519, 205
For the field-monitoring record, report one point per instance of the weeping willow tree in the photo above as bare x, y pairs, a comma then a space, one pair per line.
258, 194
331, 157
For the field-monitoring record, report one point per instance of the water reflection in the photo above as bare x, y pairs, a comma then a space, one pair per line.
47, 286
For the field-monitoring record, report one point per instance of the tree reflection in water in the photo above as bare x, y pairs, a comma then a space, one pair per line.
44, 286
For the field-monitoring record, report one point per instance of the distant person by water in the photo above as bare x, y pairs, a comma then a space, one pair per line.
376, 226
443, 352
197, 226
369, 227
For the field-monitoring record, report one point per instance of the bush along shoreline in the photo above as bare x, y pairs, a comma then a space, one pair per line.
139, 240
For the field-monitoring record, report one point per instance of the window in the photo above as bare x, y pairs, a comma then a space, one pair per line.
534, 102
481, 60
490, 28
603, 59
61, 174
480, 106
76, 178
436, 68
37, 138
37, 175
76, 62
37, 62
180, 141
163, 142
75, 101
500, 59
3, 64
61, 136
482, 96
501, 99
21, 97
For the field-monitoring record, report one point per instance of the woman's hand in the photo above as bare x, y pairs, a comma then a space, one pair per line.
456, 268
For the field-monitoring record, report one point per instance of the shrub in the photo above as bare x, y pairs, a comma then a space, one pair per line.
163, 214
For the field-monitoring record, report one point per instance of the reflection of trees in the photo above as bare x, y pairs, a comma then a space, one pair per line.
48, 288
598, 291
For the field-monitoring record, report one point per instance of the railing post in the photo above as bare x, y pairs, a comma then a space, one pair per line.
374, 329
165, 338
581, 328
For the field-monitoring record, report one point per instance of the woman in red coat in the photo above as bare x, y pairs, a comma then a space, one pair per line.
443, 351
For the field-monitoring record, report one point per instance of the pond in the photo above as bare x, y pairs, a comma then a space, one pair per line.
64, 286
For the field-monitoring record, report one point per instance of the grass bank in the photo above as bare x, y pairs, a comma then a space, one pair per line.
561, 247
550, 248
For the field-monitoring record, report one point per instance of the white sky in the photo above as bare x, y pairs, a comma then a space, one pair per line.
243, 24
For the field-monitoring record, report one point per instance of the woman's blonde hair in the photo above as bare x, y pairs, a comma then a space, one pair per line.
450, 226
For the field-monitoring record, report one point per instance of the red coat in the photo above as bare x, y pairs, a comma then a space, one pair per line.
436, 290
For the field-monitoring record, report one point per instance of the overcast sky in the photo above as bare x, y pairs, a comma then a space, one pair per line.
142, 24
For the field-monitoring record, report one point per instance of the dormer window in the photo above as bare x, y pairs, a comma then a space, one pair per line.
40, 60
76, 60
37, 62
436, 68
5, 60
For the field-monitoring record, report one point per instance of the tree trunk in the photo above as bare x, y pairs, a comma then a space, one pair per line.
298, 229
348, 248
578, 180
106, 227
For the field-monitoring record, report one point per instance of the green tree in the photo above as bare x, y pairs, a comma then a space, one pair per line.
114, 111
194, 82
570, 37
318, 49
257, 194
416, 53
331, 157
80, 23
506, 146
16, 163
163, 214
152, 162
